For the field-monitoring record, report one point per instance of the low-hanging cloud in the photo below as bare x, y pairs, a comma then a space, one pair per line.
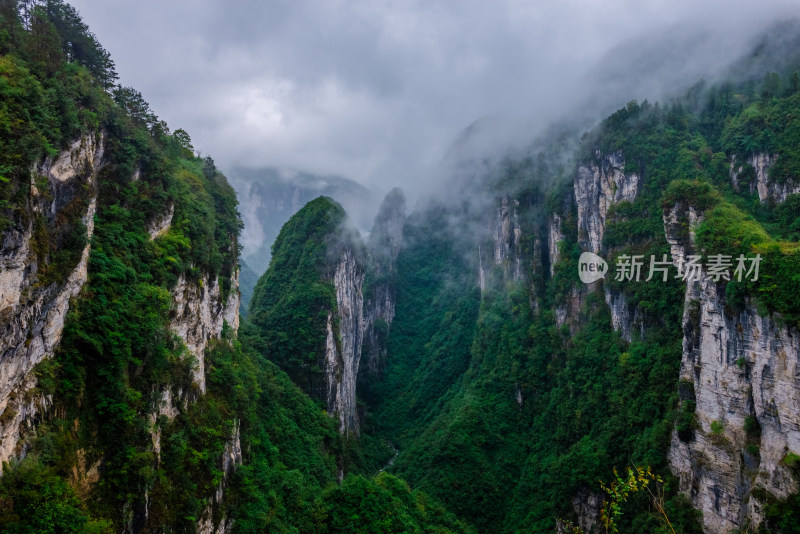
378, 91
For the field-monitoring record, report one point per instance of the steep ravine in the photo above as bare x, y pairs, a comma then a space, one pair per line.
352, 286
739, 368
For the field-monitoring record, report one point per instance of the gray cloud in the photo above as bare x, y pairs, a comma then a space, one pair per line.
378, 91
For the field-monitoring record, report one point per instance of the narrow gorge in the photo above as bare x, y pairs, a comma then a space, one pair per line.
433, 362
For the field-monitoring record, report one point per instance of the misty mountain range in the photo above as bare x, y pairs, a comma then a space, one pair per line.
269, 197
184, 349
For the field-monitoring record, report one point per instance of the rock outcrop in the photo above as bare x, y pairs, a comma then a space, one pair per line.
82, 159
626, 318
587, 505
33, 310
568, 311
506, 236
198, 314
213, 520
343, 351
597, 186
504, 251
555, 236
768, 189
384, 245
160, 225
741, 374
319, 250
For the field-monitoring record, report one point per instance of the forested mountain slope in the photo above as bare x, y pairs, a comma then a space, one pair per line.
456, 347
271, 196
127, 402
511, 388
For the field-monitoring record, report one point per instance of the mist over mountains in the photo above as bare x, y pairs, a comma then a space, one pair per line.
378, 93
270, 196
234, 328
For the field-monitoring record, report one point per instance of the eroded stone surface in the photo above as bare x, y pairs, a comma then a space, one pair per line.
198, 314
736, 365
597, 186
31, 315
768, 189
343, 352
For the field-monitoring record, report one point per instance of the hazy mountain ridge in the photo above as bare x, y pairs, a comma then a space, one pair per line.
456, 347
129, 404
510, 387
269, 197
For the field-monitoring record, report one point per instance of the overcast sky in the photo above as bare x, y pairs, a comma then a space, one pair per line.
377, 91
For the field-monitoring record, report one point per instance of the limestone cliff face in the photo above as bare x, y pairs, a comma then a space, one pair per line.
160, 225
316, 248
737, 368
385, 242
568, 311
760, 182
504, 251
198, 314
32, 310
626, 317
344, 337
520, 245
506, 236
213, 520
555, 236
597, 185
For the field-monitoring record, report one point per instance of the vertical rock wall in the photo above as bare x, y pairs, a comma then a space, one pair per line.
385, 242
32, 314
739, 369
504, 249
198, 315
345, 333
597, 186
768, 189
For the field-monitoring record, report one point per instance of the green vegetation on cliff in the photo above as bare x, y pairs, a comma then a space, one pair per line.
109, 455
509, 396
291, 302
508, 418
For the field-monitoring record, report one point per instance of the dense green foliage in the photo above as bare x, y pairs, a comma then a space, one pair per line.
469, 394
37, 501
441, 303
291, 302
117, 352
504, 403
384, 505
52, 81
506, 417
105, 459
